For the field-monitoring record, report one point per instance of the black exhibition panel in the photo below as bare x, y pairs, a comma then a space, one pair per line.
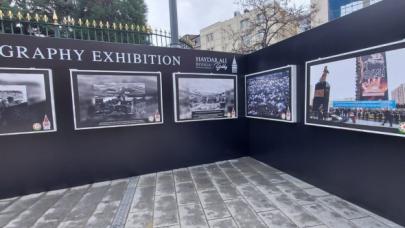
39, 162
364, 168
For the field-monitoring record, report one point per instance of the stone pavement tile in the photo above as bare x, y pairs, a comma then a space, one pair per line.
294, 211
204, 183
147, 180
299, 183
9, 199
268, 172
264, 184
342, 207
233, 174
143, 200
257, 200
228, 192
139, 220
213, 169
369, 222
186, 193
187, 198
198, 172
258, 164
387, 222
107, 208
223, 223
209, 197
85, 207
185, 187
17, 207
269, 189
243, 215
244, 168
55, 215
296, 193
216, 211
329, 217
221, 180
277, 219
29, 216
216, 175
6, 202
165, 183
316, 192
166, 212
192, 216
182, 175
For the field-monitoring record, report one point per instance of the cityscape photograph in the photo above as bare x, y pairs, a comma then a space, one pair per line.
204, 98
362, 91
105, 100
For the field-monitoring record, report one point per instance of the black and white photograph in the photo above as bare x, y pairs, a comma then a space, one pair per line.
364, 91
104, 99
270, 95
205, 96
26, 101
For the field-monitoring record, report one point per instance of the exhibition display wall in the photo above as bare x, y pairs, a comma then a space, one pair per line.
364, 168
105, 111
115, 110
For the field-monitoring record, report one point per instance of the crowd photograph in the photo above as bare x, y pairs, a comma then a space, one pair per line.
269, 95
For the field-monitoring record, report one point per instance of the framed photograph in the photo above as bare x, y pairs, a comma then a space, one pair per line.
202, 97
362, 90
271, 94
106, 99
26, 101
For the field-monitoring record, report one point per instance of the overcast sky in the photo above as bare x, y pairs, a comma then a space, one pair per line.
193, 14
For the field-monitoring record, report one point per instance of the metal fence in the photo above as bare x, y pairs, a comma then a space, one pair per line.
16, 22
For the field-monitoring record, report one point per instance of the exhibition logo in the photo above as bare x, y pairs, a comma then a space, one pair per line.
211, 63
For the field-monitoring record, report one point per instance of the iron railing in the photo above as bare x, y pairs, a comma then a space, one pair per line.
17, 22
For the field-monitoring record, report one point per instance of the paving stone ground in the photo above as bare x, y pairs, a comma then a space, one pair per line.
241, 193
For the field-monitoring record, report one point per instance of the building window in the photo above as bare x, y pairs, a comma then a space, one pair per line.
374, 1
350, 8
244, 24
210, 37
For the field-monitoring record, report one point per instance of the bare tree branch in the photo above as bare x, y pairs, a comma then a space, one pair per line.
266, 22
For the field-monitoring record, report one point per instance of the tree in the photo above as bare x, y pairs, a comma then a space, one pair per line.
265, 22
129, 11
126, 11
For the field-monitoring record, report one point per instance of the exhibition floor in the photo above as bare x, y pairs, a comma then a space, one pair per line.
241, 193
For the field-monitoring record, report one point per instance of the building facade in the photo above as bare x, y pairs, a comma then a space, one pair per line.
241, 33
398, 95
328, 10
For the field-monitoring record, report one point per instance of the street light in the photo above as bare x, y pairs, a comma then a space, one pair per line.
174, 24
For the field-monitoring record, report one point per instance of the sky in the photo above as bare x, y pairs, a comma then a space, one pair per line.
206, 86
193, 14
